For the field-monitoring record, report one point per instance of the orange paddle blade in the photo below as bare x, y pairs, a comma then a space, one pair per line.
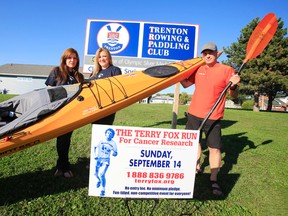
261, 36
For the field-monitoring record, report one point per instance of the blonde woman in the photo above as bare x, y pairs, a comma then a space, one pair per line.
104, 68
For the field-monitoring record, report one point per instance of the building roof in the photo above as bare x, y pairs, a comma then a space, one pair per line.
162, 97
26, 70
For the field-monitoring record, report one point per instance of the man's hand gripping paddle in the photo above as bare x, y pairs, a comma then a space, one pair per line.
258, 40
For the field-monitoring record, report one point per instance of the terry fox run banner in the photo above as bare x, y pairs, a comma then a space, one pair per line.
133, 162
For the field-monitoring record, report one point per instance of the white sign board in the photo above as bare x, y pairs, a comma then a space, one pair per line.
134, 162
137, 45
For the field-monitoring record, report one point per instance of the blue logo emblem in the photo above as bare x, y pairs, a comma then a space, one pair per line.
114, 37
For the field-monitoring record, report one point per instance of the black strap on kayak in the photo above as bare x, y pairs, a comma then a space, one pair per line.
161, 71
115, 85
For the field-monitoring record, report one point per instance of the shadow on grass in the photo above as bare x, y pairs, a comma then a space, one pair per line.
233, 146
202, 189
202, 193
32, 185
41, 183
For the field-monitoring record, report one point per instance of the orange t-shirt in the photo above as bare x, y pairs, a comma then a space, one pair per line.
209, 83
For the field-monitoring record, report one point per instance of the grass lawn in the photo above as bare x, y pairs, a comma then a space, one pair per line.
253, 174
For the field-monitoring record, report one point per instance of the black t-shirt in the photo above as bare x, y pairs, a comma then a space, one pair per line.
108, 72
51, 79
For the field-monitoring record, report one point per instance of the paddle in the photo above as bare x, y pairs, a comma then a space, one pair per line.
258, 40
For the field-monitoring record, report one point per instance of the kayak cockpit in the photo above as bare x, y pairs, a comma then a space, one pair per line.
25, 109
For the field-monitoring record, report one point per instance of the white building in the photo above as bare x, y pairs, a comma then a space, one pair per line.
163, 99
22, 78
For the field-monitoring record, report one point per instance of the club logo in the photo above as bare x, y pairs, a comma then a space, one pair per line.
114, 37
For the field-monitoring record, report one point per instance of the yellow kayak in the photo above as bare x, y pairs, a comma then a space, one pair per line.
91, 101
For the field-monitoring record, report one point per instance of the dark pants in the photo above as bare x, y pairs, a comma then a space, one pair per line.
63, 145
212, 130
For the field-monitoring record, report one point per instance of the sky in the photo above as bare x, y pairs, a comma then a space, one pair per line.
37, 32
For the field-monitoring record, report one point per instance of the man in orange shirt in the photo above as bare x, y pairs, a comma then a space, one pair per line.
210, 80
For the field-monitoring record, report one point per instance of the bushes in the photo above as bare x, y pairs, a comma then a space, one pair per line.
248, 104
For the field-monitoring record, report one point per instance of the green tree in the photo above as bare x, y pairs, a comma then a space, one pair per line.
184, 98
268, 73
